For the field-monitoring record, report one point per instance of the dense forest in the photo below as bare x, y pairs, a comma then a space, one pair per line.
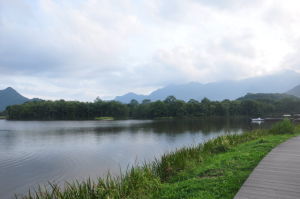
253, 106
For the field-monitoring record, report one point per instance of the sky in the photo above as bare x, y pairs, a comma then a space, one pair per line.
81, 49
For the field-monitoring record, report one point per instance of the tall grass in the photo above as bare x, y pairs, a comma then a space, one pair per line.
136, 183
170, 164
145, 181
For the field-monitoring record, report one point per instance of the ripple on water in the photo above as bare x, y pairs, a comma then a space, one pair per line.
15, 159
33, 169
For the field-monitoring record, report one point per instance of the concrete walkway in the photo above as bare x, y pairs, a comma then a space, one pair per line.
277, 176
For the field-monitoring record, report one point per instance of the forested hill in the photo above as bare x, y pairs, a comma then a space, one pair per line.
170, 107
267, 96
9, 96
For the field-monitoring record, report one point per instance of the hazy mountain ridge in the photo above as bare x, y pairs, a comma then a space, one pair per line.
129, 96
276, 83
295, 91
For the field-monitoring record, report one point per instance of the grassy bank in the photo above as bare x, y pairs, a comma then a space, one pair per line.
215, 169
2, 117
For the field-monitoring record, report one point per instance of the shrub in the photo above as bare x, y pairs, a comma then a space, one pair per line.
283, 127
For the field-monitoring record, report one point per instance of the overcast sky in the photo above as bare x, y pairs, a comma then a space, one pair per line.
81, 49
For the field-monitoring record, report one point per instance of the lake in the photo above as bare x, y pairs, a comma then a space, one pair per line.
37, 152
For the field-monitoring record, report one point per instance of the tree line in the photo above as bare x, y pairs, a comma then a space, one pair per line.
170, 107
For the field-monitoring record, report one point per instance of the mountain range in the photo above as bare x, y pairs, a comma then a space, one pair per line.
272, 86
276, 83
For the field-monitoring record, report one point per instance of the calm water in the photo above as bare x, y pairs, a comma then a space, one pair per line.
34, 153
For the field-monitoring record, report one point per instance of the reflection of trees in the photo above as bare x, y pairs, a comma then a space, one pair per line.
205, 126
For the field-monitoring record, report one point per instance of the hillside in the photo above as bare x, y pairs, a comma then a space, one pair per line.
9, 96
295, 91
276, 83
267, 96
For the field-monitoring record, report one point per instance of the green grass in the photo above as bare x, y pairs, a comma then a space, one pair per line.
221, 175
104, 118
215, 169
2, 117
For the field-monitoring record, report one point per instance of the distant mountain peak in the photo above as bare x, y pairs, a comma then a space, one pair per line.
9, 89
10, 96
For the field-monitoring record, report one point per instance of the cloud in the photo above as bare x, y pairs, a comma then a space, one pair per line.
87, 48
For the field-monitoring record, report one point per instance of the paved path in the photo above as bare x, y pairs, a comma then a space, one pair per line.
277, 176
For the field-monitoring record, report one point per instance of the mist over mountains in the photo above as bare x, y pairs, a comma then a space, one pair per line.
276, 83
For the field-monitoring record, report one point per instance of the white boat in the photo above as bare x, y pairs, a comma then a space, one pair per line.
257, 119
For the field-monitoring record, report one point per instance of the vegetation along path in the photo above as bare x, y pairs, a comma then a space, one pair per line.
277, 175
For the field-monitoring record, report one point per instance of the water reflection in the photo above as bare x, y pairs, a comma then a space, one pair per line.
34, 153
